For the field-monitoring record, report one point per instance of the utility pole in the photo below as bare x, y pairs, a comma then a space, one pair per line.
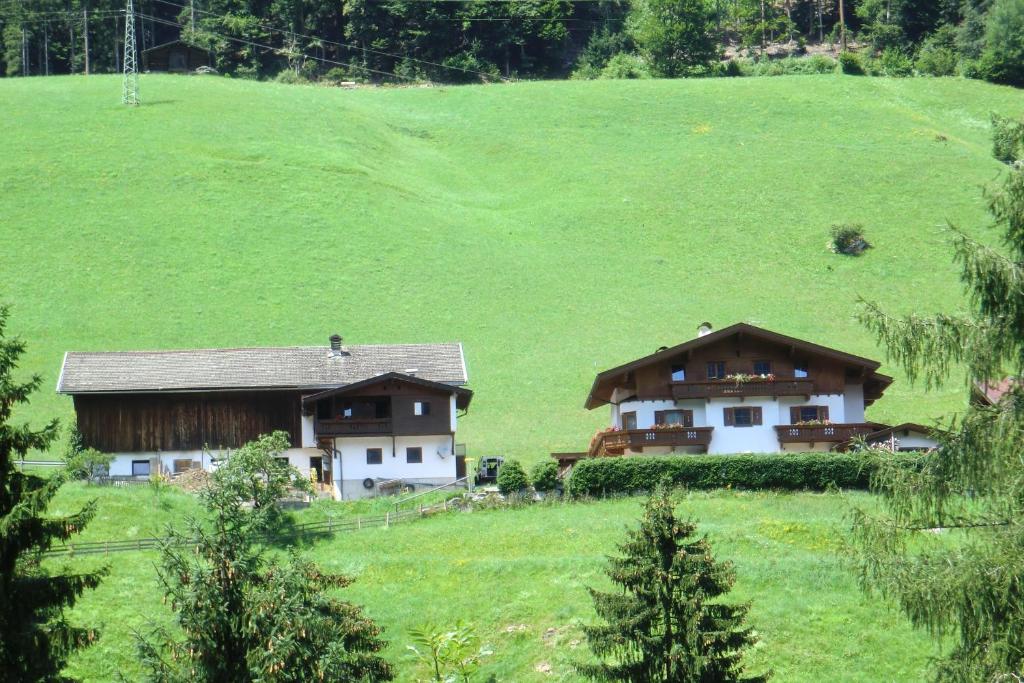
842, 27
192, 12
24, 51
85, 32
46, 48
130, 93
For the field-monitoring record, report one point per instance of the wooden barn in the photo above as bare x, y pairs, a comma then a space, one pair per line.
176, 57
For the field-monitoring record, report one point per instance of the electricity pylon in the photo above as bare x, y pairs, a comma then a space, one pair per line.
130, 95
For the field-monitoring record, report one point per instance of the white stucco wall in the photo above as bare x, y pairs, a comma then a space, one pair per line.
434, 465
853, 400
761, 438
308, 436
122, 464
913, 439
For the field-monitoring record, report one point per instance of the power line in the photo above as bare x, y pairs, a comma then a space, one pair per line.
271, 48
351, 46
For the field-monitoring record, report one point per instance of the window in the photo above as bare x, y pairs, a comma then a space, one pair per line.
374, 456
182, 465
140, 468
421, 408
716, 369
414, 454
742, 417
762, 367
683, 418
800, 369
799, 414
629, 420
678, 373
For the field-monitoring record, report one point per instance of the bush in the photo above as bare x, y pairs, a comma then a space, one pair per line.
291, 78
545, 476
848, 239
1004, 42
1007, 139
815, 471
938, 54
625, 66
894, 62
601, 48
850, 64
818, 64
88, 463
512, 478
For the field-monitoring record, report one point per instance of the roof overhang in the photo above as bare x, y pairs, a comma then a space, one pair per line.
600, 391
462, 395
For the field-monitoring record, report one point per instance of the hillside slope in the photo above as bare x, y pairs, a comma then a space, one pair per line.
555, 228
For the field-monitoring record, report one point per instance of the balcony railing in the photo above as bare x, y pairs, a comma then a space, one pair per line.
751, 387
353, 427
822, 433
616, 443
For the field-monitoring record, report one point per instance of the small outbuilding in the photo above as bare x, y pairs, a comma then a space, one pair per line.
176, 57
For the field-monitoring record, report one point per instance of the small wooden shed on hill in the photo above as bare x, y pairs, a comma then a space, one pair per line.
175, 56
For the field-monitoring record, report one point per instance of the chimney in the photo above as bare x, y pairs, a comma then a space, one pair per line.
704, 329
335, 344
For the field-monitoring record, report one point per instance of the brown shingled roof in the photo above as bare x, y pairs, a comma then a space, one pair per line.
256, 368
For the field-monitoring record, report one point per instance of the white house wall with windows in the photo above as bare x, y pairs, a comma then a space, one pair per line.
356, 417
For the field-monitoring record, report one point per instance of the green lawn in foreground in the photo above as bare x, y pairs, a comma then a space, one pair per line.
520, 575
557, 228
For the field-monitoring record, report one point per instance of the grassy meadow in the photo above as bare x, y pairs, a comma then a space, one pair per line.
557, 228
520, 577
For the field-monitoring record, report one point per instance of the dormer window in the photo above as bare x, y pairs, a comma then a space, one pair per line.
800, 370
716, 369
762, 367
678, 373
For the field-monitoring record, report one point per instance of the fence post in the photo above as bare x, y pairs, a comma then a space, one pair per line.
330, 525
421, 509
445, 505
387, 518
359, 522
106, 548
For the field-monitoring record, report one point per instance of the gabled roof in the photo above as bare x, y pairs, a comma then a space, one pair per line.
303, 368
600, 392
462, 395
991, 393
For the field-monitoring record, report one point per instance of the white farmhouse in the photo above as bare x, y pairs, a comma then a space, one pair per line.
741, 389
357, 416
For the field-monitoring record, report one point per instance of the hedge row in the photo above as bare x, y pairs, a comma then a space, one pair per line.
814, 471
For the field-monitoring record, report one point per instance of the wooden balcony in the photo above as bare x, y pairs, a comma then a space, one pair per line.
822, 433
353, 427
616, 443
718, 388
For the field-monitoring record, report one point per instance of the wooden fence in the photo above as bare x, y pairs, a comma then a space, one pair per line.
327, 527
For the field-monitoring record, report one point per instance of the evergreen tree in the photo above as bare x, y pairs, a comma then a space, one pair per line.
666, 624
35, 639
245, 617
675, 36
966, 582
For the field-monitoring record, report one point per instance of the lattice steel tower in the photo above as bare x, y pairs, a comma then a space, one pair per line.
130, 95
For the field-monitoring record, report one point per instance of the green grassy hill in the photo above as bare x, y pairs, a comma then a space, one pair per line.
556, 228
520, 577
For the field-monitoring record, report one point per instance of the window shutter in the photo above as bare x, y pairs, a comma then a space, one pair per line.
823, 413
687, 418
794, 415
728, 417
755, 416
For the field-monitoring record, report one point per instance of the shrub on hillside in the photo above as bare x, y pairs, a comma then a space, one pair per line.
88, 463
1003, 57
818, 64
512, 478
291, 78
626, 66
938, 55
544, 476
851, 64
848, 239
895, 63
814, 471
1007, 139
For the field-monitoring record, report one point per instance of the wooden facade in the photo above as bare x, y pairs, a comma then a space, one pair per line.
394, 402
175, 57
118, 423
